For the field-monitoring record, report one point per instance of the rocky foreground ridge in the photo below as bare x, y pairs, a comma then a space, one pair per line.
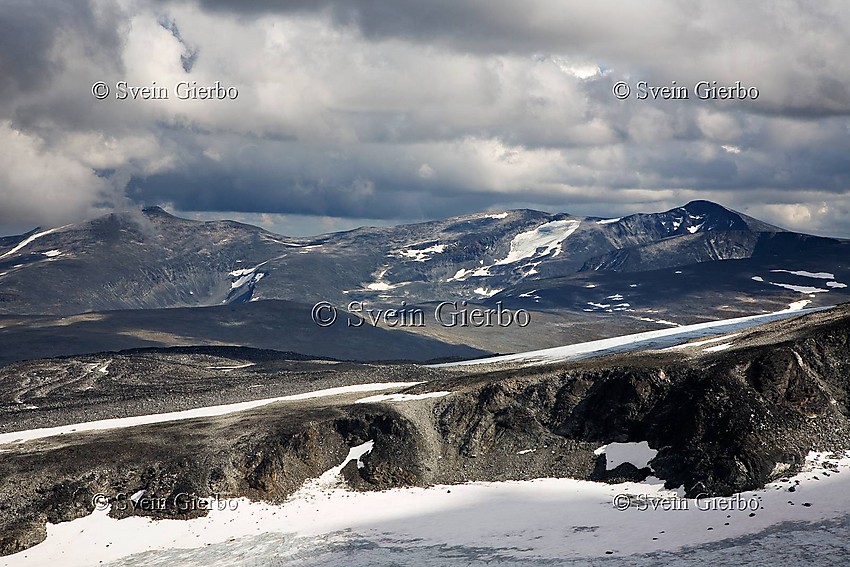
722, 421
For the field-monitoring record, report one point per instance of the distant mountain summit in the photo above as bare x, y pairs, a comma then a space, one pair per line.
699, 216
156, 210
152, 259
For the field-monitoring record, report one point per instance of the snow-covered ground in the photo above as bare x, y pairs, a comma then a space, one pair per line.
537, 522
659, 339
209, 411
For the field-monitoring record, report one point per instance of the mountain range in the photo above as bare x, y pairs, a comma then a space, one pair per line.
148, 278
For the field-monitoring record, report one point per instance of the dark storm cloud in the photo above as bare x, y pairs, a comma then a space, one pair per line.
30, 35
794, 47
380, 182
405, 110
482, 26
360, 198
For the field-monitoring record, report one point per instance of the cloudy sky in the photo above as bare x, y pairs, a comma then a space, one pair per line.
365, 112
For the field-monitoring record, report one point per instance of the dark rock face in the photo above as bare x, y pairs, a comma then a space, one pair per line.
710, 427
625, 472
721, 424
21, 535
396, 458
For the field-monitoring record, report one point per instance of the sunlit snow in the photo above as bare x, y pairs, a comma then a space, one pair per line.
422, 254
638, 454
547, 236
804, 273
546, 521
660, 338
27, 241
400, 397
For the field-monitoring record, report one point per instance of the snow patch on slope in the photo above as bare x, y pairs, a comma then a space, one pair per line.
717, 348
384, 286
700, 343
638, 454
485, 291
231, 367
380, 285
806, 274
30, 239
241, 273
245, 276
659, 321
250, 277
527, 245
330, 479
639, 341
400, 397
422, 254
799, 288
463, 274
210, 411
548, 236
530, 295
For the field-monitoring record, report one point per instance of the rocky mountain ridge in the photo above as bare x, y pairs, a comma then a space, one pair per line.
153, 260
722, 421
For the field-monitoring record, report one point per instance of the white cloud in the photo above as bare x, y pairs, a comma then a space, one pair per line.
415, 111
42, 184
425, 171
